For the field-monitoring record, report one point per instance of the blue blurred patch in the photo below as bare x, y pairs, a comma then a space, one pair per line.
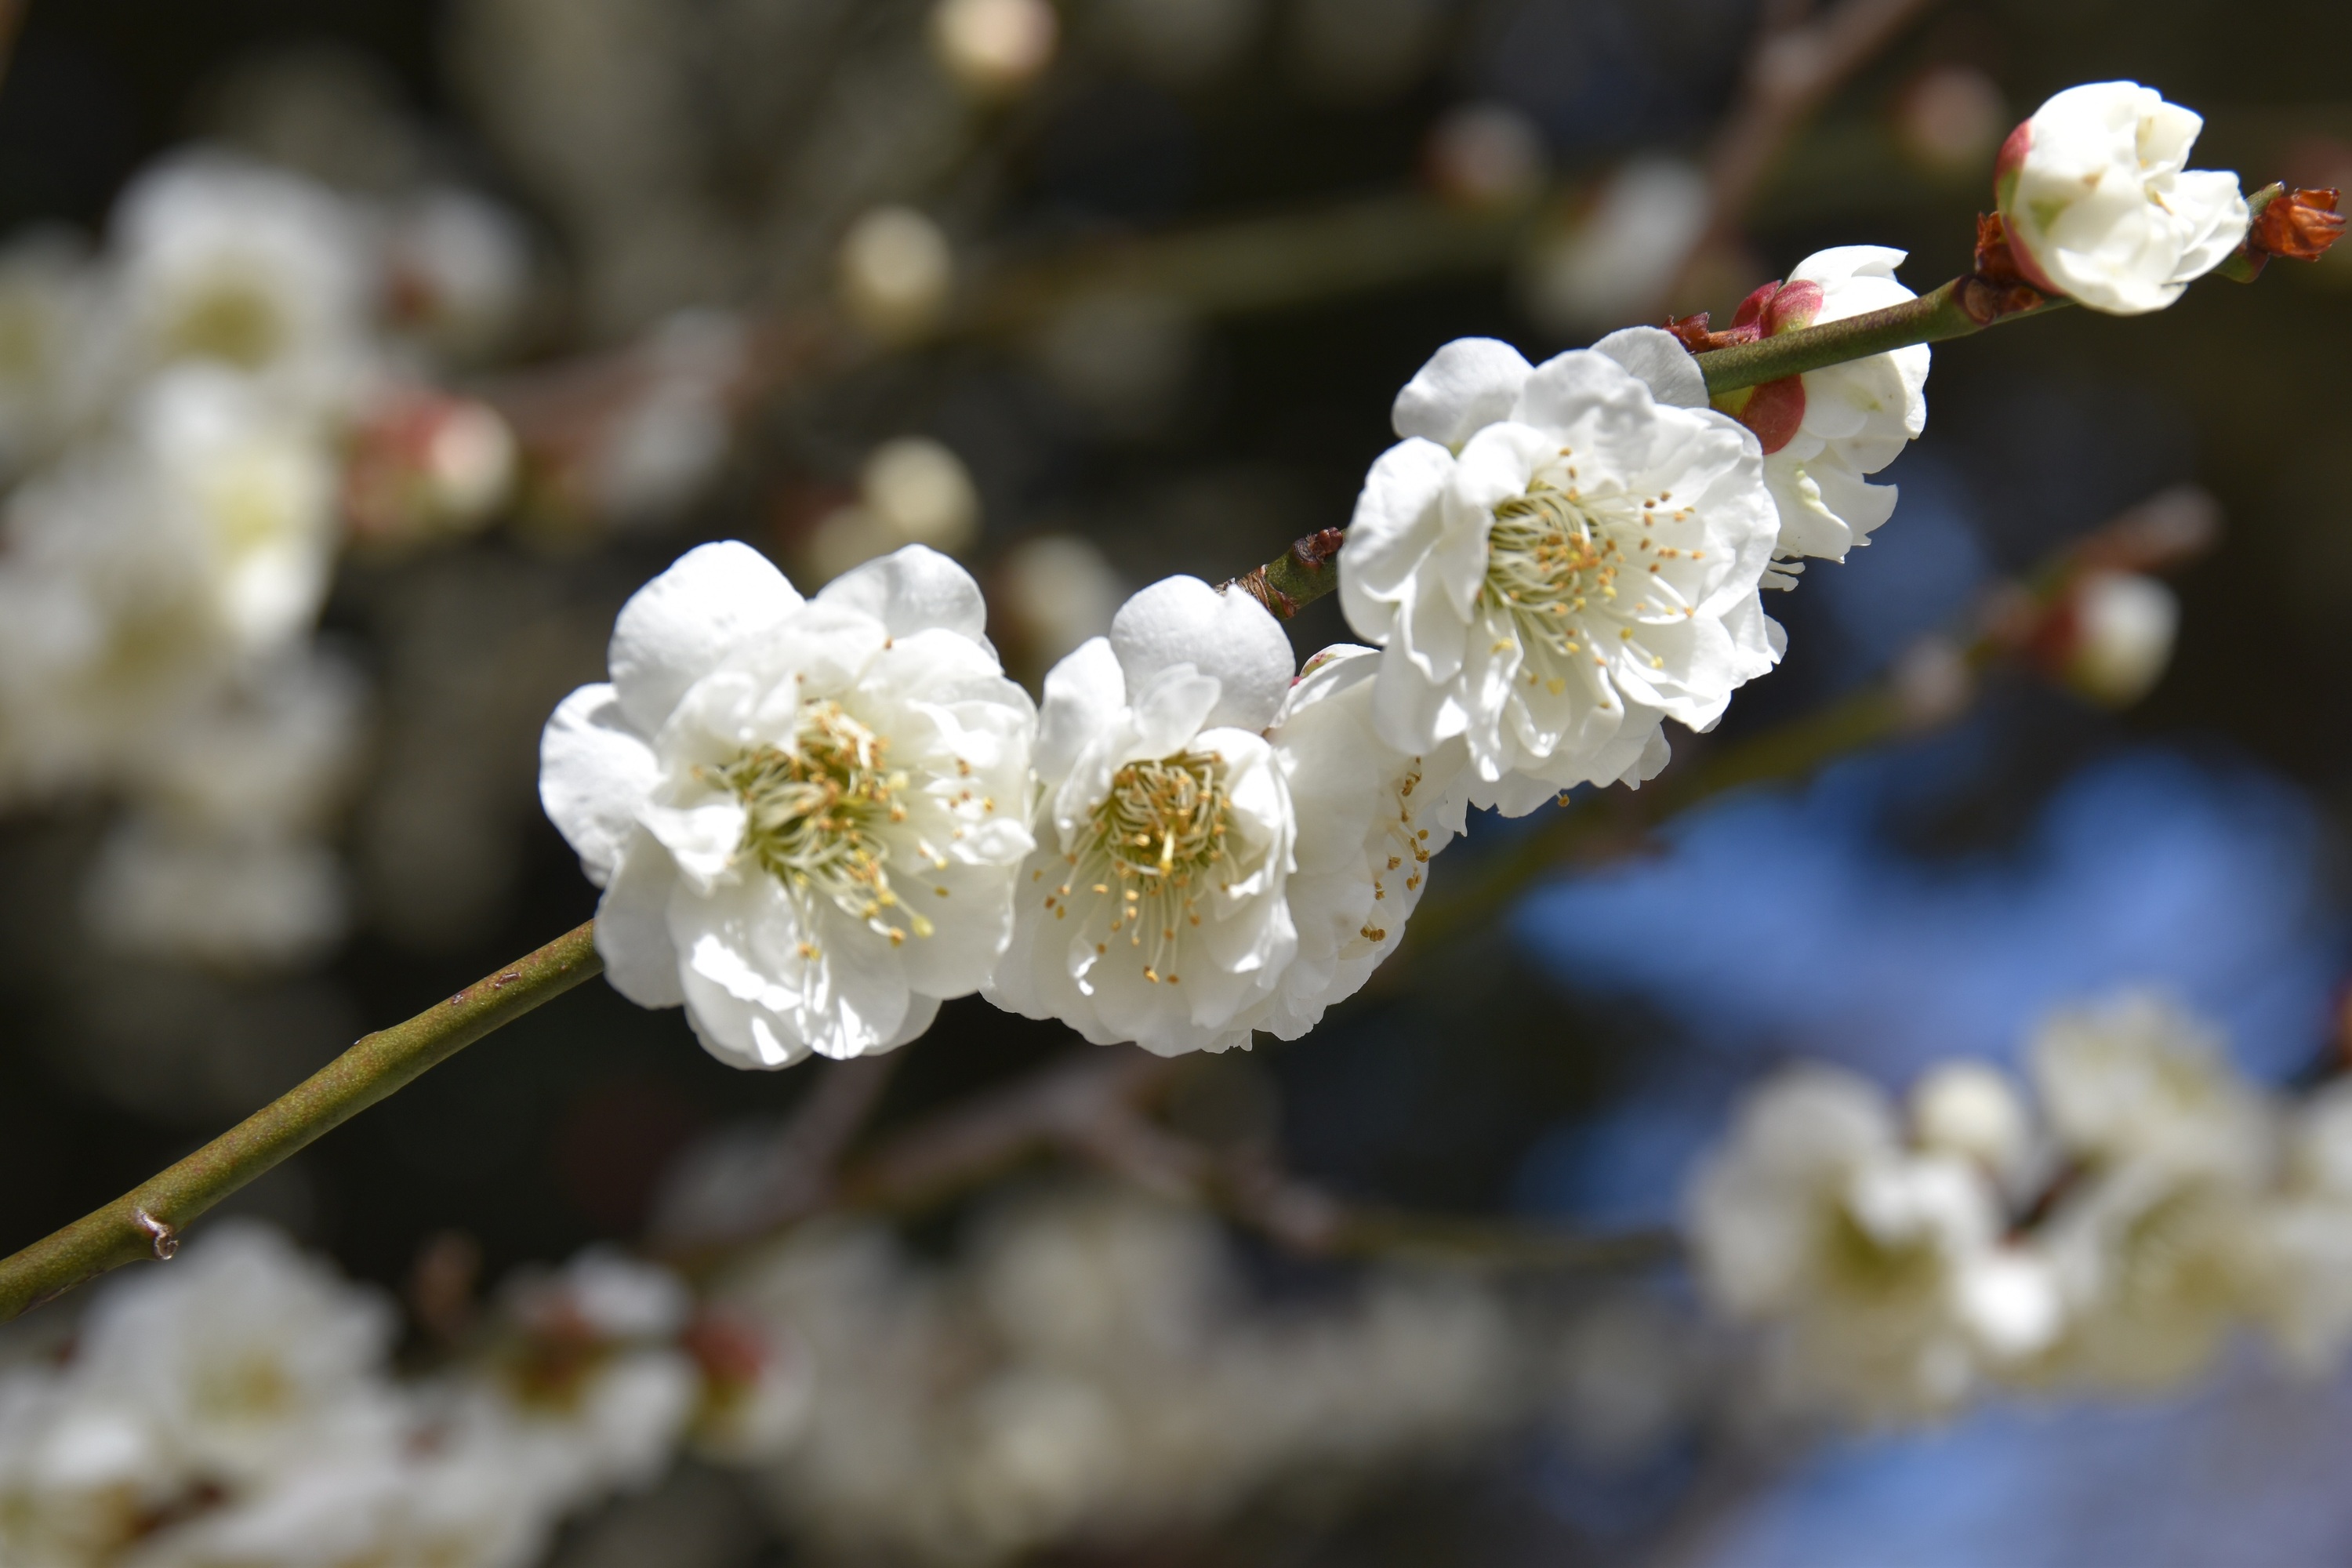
1790, 923
2248, 1471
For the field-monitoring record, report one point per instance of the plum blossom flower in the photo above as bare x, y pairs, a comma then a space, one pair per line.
2173, 1155
1370, 819
1824, 431
221, 259
1880, 1265
2301, 1283
805, 814
247, 1358
1557, 559
1154, 907
2099, 204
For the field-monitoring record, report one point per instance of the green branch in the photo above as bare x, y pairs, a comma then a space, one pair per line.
146, 1222
1964, 305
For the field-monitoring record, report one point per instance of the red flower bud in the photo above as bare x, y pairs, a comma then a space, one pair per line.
2300, 225
1772, 410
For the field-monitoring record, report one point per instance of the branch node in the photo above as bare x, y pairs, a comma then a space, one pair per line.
164, 1239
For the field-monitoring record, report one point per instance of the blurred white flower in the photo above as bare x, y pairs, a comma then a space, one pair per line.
1825, 429
2100, 205
1974, 1109
2155, 1261
78, 1479
221, 259
2300, 1284
245, 490
462, 1506
1370, 818
1555, 559
758, 1384
456, 271
221, 898
1153, 909
2138, 1079
669, 439
245, 1359
1880, 1267
2154, 1237
1094, 1371
1624, 253
805, 815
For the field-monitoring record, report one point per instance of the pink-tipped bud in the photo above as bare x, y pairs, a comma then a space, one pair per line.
423, 464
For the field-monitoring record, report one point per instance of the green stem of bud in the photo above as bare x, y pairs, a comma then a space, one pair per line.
1964, 305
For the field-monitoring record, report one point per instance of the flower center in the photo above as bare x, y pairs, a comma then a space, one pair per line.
1558, 560
1158, 841
813, 814
1547, 560
230, 320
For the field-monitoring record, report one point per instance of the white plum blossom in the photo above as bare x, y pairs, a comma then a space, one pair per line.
1557, 558
223, 259
2138, 1079
2301, 1282
1880, 1267
1824, 431
1154, 909
147, 569
2099, 203
2173, 1155
805, 814
1370, 819
244, 1358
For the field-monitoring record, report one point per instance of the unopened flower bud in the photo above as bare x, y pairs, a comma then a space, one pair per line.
895, 272
427, 464
995, 46
1484, 155
2112, 637
2298, 225
2099, 202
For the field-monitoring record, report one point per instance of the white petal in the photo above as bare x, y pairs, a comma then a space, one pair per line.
1227, 637
912, 590
1469, 382
594, 771
1083, 696
1661, 362
633, 926
675, 629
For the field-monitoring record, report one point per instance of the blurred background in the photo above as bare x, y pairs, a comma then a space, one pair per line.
430, 331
